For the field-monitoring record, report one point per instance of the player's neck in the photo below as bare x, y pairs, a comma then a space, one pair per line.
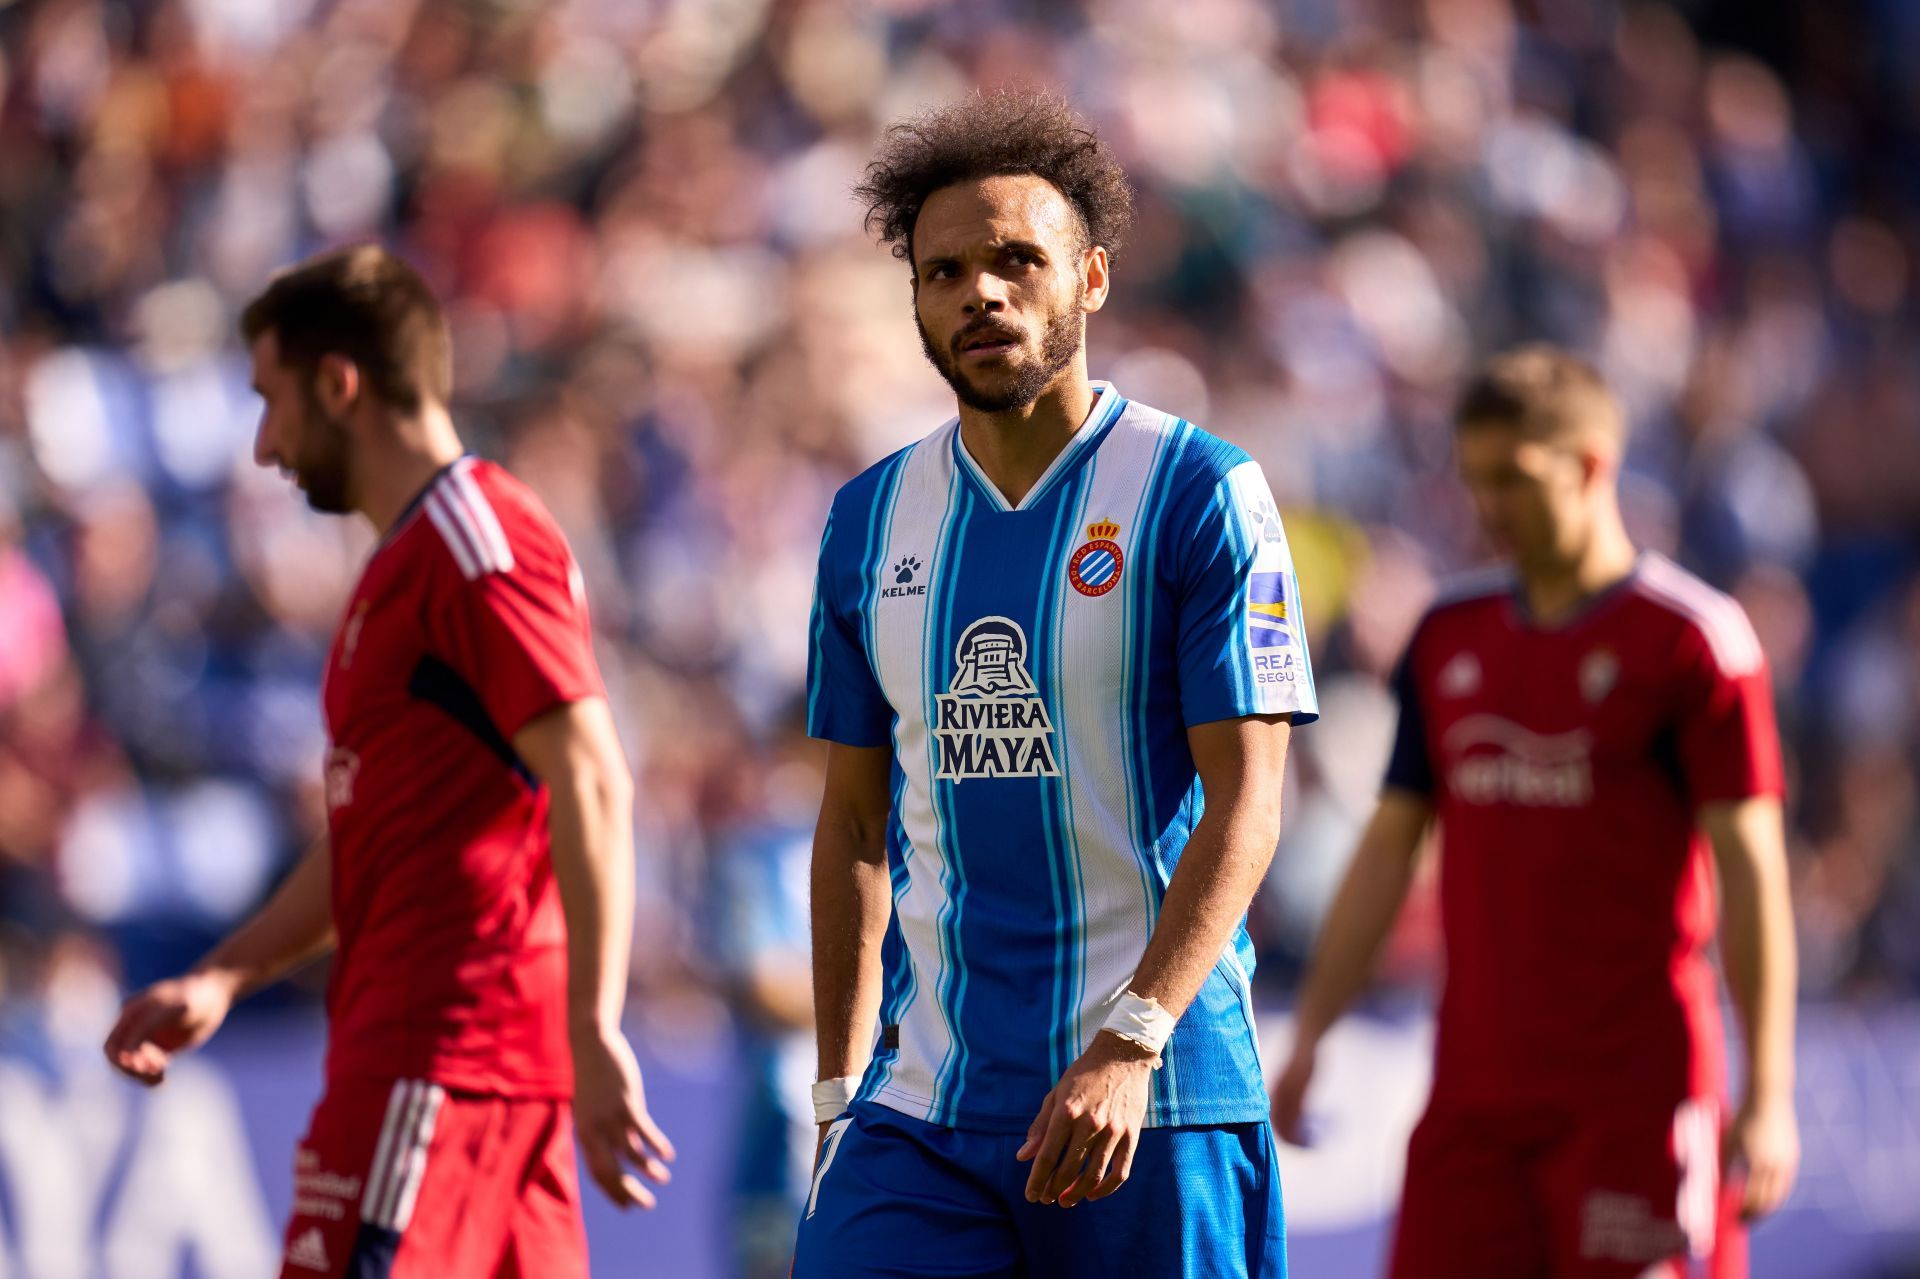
1015, 448
1557, 592
394, 463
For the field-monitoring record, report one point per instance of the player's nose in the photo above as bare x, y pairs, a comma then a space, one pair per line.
266, 451
985, 294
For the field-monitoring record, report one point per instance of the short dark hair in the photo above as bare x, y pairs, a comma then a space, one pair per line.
1543, 392
995, 135
366, 304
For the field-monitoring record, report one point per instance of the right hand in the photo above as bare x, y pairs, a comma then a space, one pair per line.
166, 1018
1287, 1106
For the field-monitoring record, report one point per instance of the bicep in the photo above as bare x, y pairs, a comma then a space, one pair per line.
519, 641
1243, 759
570, 739
1744, 833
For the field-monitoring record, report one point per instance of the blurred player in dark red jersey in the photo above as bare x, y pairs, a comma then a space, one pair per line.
1576, 725
478, 877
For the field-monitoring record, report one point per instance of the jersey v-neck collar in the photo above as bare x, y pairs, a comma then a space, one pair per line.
1106, 408
1594, 605
414, 503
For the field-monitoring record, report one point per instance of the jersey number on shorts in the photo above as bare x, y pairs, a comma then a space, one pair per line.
828, 1149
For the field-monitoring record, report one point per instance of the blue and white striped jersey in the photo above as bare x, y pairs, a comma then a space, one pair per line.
1035, 669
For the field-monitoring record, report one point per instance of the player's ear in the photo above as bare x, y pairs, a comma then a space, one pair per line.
337, 384
1598, 465
1094, 278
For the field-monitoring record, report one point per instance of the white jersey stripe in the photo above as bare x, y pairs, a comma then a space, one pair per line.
414, 1168
378, 1170
1115, 907
464, 553
1722, 622
465, 494
916, 525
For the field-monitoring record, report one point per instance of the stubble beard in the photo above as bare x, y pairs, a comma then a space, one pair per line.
322, 465
1061, 341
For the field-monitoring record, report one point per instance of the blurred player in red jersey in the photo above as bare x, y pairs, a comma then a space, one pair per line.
1575, 725
477, 881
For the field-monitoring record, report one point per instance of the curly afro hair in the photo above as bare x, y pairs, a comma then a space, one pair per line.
990, 135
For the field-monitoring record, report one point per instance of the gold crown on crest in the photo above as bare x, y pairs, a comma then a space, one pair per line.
1103, 530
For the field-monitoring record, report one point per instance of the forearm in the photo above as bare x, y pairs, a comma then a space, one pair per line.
1757, 949
590, 823
295, 925
852, 899
1220, 870
1356, 925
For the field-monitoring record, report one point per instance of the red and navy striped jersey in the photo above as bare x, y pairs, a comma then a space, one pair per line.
1567, 766
468, 622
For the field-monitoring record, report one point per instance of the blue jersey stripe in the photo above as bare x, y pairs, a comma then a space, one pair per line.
879, 521
1233, 538
901, 986
1069, 937
1142, 786
1053, 799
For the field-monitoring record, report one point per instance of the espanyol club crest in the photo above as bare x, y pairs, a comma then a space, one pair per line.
1095, 567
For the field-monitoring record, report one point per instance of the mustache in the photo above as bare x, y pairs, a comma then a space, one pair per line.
985, 327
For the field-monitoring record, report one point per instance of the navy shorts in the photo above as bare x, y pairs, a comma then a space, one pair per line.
894, 1197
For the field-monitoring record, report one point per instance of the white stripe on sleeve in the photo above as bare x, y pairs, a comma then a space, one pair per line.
495, 550
453, 535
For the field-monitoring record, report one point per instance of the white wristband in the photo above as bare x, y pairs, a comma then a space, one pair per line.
831, 1097
1140, 1020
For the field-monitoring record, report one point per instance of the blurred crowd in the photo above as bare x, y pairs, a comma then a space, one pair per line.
668, 319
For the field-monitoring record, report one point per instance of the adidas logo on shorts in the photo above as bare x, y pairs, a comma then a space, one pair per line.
308, 1251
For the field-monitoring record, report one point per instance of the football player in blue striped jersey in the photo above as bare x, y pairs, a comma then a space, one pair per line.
1057, 651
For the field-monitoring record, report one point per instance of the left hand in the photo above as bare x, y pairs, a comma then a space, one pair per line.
1082, 1142
610, 1119
1764, 1142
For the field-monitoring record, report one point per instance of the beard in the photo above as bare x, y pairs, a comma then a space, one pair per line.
1060, 341
321, 467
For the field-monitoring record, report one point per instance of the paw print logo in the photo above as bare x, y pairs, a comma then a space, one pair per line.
1266, 520
903, 571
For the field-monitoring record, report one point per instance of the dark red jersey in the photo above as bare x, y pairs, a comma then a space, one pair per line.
1567, 766
468, 621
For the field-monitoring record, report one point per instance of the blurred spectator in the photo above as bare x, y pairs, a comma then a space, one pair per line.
761, 953
668, 319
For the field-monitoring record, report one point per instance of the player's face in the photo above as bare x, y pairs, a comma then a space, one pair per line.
1002, 287
1531, 497
296, 433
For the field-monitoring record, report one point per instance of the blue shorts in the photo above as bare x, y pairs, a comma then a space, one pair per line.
898, 1198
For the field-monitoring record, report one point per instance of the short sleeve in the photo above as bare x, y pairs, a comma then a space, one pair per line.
1410, 767
844, 700
1242, 648
1729, 744
520, 636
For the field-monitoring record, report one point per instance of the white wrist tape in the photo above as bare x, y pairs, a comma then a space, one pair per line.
831, 1097
1140, 1020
